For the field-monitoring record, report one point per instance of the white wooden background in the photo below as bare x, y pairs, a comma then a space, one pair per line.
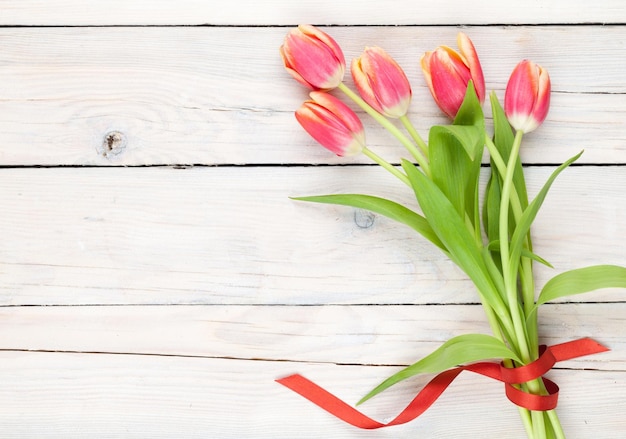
155, 278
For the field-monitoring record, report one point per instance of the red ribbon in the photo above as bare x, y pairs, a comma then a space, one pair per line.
429, 394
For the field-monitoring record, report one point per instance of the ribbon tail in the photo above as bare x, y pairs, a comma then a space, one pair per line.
338, 408
577, 348
328, 402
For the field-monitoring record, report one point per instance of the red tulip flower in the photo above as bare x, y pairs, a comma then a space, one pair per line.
313, 58
381, 82
332, 123
527, 96
448, 73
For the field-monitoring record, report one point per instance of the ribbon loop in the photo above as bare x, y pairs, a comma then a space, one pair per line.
531, 371
431, 392
534, 402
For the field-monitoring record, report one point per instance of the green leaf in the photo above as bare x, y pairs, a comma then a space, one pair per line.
454, 234
583, 280
451, 169
455, 173
459, 350
527, 218
503, 139
468, 136
491, 206
385, 207
495, 247
470, 112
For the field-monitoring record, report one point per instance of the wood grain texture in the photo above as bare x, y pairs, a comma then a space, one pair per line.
369, 335
141, 296
286, 12
138, 396
221, 96
233, 236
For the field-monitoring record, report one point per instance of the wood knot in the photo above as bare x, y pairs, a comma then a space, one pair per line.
364, 218
113, 144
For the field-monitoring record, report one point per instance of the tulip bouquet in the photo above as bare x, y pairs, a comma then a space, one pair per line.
490, 241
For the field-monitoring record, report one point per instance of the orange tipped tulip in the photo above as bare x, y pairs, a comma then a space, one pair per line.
527, 96
447, 73
332, 123
313, 58
381, 82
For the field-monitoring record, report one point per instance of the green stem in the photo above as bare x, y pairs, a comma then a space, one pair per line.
556, 424
406, 142
414, 134
388, 166
527, 280
527, 421
516, 205
509, 271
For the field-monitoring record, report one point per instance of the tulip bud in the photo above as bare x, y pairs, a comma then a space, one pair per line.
448, 72
527, 96
313, 58
332, 123
381, 82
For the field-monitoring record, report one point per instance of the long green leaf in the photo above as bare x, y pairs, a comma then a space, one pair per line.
385, 207
527, 218
459, 350
450, 167
455, 172
454, 234
470, 137
491, 206
583, 280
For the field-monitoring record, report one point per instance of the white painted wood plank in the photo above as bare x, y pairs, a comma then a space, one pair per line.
368, 335
221, 96
281, 12
53, 395
232, 236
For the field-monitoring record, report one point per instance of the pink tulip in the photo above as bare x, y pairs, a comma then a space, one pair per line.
448, 72
381, 82
313, 58
332, 123
527, 96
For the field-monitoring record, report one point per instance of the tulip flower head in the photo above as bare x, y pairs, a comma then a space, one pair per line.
448, 72
313, 58
527, 96
332, 123
381, 82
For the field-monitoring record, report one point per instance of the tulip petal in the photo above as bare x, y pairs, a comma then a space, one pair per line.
448, 72
332, 123
449, 80
313, 58
527, 96
314, 61
322, 128
326, 39
339, 109
362, 83
540, 109
389, 83
468, 51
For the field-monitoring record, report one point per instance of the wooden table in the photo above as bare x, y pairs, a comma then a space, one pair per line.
156, 279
